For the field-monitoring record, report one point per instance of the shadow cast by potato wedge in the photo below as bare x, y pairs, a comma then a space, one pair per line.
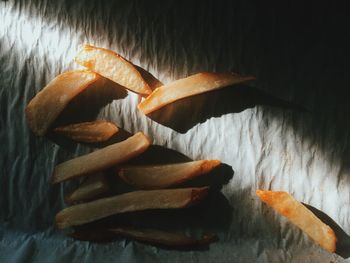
184, 114
343, 239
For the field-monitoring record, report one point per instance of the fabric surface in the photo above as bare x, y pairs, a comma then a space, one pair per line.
287, 130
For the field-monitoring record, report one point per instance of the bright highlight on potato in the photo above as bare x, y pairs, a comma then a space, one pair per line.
164, 176
101, 159
300, 216
129, 202
114, 67
190, 86
45, 107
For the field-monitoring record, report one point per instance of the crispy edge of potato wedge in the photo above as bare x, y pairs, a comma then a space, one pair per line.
88, 132
92, 187
48, 103
300, 216
164, 176
101, 159
129, 202
190, 86
151, 80
134, 82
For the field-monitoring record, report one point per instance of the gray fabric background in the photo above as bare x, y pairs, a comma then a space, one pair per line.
297, 54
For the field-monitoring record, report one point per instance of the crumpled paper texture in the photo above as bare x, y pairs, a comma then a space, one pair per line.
295, 53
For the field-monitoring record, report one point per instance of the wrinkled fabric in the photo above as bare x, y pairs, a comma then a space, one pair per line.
287, 130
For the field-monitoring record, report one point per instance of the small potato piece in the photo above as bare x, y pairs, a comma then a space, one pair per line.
159, 237
112, 66
190, 86
163, 176
90, 132
129, 202
91, 188
101, 159
300, 216
45, 107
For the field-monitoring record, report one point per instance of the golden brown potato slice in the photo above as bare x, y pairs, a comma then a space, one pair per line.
114, 67
163, 176
160, 237
302, 217
101, 159
90, 132
91, 188
192, 85
45, 107
129, 202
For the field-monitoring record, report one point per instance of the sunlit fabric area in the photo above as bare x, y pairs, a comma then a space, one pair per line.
284, 129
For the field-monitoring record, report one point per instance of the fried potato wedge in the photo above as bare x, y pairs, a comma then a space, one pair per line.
300, 216
190, 86
114, 67
163, 176
160, 237
101, 159
45, 107
129, 202
92, 187
90, 132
